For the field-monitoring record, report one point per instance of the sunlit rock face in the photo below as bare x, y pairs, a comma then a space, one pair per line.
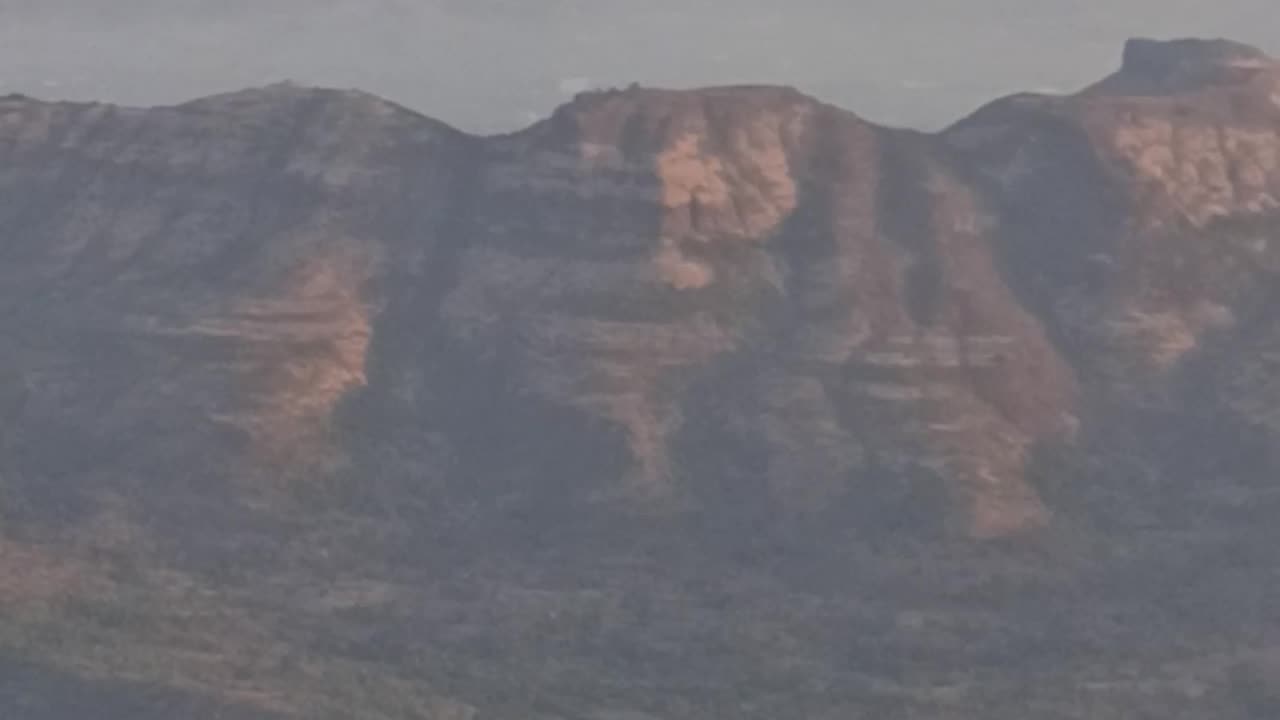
725, 303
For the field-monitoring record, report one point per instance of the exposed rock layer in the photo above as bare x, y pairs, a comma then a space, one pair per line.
654, 301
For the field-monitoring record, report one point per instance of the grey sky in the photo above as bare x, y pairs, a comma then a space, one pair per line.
492, 65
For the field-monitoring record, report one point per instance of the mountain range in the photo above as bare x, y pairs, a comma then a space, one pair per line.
676, 404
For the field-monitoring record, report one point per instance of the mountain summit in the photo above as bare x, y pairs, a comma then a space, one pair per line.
1160, 67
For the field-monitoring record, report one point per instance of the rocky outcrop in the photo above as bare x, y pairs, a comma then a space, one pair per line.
1157, 67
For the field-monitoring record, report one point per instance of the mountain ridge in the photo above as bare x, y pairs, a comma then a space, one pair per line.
711, 179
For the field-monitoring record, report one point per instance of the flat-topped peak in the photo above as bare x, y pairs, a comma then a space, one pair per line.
664, 99
1170, 67
1163, 57
645, 117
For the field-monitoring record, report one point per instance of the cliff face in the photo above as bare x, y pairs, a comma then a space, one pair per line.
742, 297
690, 308
1142, 229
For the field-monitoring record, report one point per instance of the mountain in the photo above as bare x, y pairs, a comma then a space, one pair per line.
677, 404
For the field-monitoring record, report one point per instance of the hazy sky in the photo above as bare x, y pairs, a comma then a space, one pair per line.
491, 65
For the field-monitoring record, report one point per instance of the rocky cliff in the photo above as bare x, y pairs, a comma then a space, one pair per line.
312, 324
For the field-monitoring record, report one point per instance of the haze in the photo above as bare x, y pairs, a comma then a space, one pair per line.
495, 65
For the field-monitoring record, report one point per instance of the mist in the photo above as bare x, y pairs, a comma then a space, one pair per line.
495, 65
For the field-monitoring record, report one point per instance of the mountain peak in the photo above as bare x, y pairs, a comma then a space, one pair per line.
643, 119
1162, 57
663, 101
285, 92
1170, 67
